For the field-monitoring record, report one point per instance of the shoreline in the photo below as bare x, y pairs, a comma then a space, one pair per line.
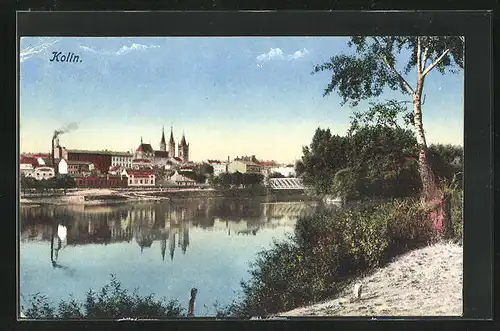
423, 282
116, 196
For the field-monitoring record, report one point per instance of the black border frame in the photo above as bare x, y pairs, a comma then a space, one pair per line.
476, 26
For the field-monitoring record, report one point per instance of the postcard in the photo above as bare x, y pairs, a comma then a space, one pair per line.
249, 177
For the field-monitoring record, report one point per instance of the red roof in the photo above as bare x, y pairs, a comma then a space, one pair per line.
114, 168
28, 160
268, 163
42, 155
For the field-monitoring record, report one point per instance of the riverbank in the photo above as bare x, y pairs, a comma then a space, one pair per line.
423, 282
113, 196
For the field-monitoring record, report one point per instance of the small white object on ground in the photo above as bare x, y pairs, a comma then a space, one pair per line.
357, 291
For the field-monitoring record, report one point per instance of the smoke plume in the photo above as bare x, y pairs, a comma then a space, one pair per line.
67, 128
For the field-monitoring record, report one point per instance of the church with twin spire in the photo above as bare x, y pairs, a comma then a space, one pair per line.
145, 151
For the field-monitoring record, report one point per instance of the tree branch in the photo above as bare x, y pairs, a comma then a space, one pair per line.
391, 68
433, 64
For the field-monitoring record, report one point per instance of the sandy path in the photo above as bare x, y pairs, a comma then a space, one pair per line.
424, 282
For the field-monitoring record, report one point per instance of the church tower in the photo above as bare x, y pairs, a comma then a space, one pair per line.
171, 144
163, 143
184, 149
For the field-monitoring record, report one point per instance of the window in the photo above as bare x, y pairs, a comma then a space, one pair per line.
140, 182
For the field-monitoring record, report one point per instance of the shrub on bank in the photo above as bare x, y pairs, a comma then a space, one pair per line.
111, 302
327, 251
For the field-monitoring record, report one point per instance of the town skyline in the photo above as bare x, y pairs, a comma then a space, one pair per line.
230, 96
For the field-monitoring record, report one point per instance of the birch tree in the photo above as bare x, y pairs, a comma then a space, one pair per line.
376, 66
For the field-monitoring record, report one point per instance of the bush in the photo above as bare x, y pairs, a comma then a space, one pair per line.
111, 302
457, 215
326, 251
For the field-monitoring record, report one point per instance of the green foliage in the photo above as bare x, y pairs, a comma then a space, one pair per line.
60, 181
380, 160
326, 251
237, 179
455, 190
365, 75
111, 302
322, 159
446, 162
344, 184
64, 181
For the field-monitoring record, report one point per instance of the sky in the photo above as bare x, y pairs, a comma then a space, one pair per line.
230, 96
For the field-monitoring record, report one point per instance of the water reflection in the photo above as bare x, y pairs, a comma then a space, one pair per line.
143, 224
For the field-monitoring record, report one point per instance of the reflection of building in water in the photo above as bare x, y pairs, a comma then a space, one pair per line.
166, 223
285, 209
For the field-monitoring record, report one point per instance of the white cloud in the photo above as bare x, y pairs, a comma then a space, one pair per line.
273, 53
278, 54
298, 54
123, 50
30, 51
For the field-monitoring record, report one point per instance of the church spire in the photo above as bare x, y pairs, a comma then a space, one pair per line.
172, 135
163, 135
171, 143
163, 143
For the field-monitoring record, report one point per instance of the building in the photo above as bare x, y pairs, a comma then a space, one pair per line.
142, 164
218, 166
181, 180
100, 159
161, 157
27, 166
244, 167
144, 151
184, 149
44, 173
74, 167
139, 178
108, 181
122, 159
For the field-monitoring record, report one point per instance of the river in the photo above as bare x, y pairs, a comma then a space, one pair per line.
162, 248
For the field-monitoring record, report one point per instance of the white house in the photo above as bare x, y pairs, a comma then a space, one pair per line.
219, 167
27, 166
139, 178
62, 166
122, 159
44, 173
181, 180
74, 167
244, 167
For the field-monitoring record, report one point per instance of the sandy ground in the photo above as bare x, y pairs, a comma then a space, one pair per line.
424, 282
